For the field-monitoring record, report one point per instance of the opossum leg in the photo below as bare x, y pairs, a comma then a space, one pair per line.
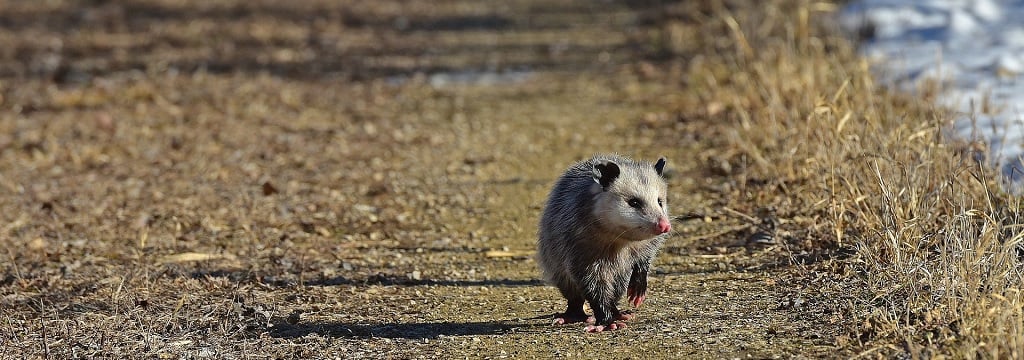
623, 315
637, 290
607, 320
606, 315
573, 314
615, 322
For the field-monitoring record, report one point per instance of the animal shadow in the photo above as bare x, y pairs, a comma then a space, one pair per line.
421, 330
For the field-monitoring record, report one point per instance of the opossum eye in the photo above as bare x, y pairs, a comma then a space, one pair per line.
661, 203
635, 203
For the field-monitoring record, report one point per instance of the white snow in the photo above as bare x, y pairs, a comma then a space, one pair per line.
974, 48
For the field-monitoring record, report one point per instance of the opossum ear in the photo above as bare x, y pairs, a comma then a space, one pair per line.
605, 172
660, 165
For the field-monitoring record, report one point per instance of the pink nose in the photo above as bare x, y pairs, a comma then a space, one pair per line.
664, 226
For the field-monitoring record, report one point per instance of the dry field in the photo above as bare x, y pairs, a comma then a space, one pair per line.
343, 179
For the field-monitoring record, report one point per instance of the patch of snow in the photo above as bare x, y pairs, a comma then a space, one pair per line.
467, 77
974, 48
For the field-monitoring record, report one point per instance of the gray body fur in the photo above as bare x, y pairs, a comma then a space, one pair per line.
592, 244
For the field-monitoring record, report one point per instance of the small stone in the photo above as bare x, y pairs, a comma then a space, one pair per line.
37, 244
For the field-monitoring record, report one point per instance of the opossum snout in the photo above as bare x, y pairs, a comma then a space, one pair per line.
663, 226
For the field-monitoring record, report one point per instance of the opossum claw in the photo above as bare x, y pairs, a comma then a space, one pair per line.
610, 327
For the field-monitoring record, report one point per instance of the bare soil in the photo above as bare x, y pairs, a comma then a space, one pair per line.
181, 179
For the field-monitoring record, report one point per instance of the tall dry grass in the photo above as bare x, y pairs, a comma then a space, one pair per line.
936, 237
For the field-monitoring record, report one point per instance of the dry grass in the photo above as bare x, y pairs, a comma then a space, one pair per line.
937, 240
302, 191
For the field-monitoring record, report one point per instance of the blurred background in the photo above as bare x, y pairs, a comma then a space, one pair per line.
187, 178
77, 41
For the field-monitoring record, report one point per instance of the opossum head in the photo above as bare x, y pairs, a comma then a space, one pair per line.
630, 198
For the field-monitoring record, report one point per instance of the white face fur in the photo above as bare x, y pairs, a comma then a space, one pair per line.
632, 203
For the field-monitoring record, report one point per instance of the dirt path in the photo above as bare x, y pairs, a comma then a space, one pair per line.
714, 297
357, 180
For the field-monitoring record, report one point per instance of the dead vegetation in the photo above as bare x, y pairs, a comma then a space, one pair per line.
255, 180
937, 240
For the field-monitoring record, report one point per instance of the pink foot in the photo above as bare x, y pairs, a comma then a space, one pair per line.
610, 327
636, 300
636, 297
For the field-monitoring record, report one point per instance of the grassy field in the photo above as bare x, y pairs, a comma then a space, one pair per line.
181, 179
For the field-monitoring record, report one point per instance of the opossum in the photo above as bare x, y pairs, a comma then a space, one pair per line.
604, 222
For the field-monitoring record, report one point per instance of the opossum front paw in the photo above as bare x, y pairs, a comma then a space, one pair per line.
636, 292
636, 296
609, 327
567, 318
